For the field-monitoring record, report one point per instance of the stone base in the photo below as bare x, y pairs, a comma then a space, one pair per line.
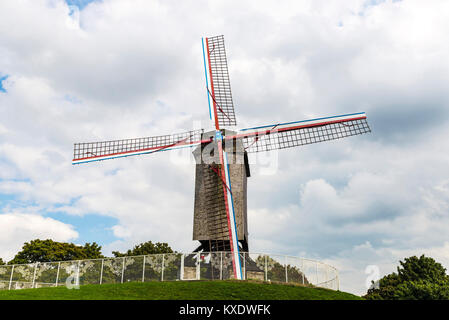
189, 273
255, 275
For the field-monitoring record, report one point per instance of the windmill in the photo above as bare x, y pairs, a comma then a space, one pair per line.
222, 168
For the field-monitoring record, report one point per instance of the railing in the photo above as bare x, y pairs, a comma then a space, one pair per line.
169, 267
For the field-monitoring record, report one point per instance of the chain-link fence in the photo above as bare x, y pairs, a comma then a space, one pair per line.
169, 267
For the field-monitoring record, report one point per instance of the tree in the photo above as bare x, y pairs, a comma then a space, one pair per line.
386, 288
92, 251
145, 248
421, 269
417, 278
49, 251
423, 290
1, 262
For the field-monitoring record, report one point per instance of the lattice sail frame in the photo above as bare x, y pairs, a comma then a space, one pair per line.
293, 134
264, 138
219, 86
104, 150
276, 139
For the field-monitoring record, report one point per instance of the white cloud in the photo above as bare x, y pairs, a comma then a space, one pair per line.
18, 228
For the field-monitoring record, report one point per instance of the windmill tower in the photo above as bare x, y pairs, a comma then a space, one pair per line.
220, 209
210, 225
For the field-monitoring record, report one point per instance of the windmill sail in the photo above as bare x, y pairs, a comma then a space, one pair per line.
293, 134
219, 86
230, 213
104, 150
219, 90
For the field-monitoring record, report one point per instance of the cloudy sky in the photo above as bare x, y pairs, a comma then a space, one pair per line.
76, 71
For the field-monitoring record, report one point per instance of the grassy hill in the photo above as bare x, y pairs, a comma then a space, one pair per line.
180, 290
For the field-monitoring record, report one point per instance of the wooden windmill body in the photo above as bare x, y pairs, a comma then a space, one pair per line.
210, 225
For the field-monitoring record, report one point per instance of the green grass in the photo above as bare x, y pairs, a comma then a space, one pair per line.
180, 290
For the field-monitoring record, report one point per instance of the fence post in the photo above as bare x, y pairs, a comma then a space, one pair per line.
78, 273
198, 267
34, 274
10, 278
181, 276
143, 269
302, 270
57, 274
266, 271
286, 272
221, 265
123, 269
244, 266
338, 280
101, 271
162, 271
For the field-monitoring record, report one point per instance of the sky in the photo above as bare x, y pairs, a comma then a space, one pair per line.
80, 71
